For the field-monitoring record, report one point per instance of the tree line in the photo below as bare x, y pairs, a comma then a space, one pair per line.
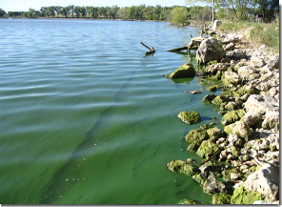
235, 10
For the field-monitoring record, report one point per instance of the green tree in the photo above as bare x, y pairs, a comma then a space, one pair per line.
268, 8
212, 3
179, 15
239, 8
2, 13
64, 11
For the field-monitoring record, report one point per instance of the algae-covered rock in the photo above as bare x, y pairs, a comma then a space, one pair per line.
185, 71
195, 137
218, 100
239, 128
209, 98
188, 201
271, 120
189, 117
242, 196
207, 149
221, 198
198, 178
214, 133
182, 167
232, 116
230, 77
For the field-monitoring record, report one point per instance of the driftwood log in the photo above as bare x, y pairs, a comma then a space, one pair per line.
194, 44
151, 50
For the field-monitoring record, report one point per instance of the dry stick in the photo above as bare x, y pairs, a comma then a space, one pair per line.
151, 50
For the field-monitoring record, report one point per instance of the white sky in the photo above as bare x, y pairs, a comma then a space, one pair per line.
24, 5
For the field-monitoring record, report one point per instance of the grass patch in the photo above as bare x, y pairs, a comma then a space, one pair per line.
257, 33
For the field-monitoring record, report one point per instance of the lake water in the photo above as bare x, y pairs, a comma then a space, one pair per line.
86, 118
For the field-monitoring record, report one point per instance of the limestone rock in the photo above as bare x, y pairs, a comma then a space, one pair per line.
210, 49
185, 71
231, 77
248, 73
252, 117
257, 61
189, 117
212, 185
230, 46
264, 181
261, 104
271, 120
239, 128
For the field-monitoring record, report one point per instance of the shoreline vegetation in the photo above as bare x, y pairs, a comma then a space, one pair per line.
241, 157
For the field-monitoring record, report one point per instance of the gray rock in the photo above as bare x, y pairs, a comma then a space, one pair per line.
193, 92
212, 185
257, 61
239, 128
210, 49
264, 181
252, 117
261, 104
274, 62
230, 46
271, 120
231, 77
248, 73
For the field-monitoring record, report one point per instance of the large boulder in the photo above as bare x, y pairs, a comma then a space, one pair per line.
185, 71
264, 181
210, 49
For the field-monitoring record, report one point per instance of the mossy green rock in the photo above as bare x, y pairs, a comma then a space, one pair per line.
195, 137
232, 116
189, 117
242, 196
182, 167
221, 198
240, 129
209, 98
219, 100
207, 149
185, 71
188, 201
214, 133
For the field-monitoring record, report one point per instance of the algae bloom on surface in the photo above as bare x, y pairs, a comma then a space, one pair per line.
189, 117
185, 71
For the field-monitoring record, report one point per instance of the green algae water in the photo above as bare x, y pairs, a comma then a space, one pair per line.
86, 118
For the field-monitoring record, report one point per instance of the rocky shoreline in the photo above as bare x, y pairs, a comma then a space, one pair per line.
241, 160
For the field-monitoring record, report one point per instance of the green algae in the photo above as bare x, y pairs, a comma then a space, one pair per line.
188, 201
242, 196
209, 98
232, 116
189, 117
207, 149
221, 198
182, 167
